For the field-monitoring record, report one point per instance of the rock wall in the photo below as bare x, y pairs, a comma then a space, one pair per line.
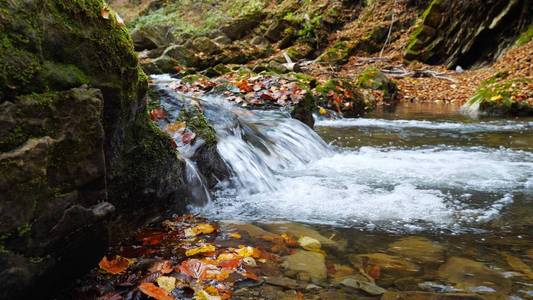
76, 143
468, 33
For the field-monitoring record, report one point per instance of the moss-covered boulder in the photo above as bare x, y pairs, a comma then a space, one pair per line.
342, 96
373, 79
499, 96
67, 151
467, 33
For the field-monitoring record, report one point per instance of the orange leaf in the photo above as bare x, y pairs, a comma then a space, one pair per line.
194, 268
155, 292
115, 266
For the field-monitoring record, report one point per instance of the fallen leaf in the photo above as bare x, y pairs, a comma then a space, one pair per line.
188, 137
155, 292
194, 268
115, 266
175, 127
235, 235
208, 248
199, 229
203, 295
104, 12
157, 114
167, 283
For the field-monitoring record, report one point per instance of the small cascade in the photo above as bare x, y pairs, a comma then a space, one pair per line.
255, 145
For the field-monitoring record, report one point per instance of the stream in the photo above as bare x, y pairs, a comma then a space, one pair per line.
424, 172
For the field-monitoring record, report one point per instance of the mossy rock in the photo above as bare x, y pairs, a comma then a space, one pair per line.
497, 97
343, 96
373, 79
74, 152
338, 53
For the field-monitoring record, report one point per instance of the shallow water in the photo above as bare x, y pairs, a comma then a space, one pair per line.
424, 170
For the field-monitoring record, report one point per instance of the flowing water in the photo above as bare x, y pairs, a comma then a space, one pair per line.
423, 170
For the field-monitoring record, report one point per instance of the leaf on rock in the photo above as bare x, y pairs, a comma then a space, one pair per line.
115, 266
155, 292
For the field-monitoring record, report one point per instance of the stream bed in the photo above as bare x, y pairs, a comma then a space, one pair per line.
424, 185
421, 203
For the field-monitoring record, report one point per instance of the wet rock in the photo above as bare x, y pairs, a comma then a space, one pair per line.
161, 65
383, 267
419, 249
222, 40
309, 243
469, 275
342, 95
276, 30
466, 33
338, 295
307, 263
183, 55
285, 282
299, 231
241, 26
65, 149
250, 229
152, 36
428, 296
206, 45
362, 285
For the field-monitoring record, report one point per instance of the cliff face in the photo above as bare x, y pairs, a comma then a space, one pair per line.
468, 33
76, 142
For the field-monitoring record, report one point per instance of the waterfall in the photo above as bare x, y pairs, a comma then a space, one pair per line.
254, 145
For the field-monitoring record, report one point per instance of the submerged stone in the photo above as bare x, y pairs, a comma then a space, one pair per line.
469, 275
299, 231
309, 263
418, 248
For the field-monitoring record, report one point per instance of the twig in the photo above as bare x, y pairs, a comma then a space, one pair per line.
393, 20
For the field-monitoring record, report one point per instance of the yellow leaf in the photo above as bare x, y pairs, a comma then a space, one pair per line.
247, 252
235, 235
176, 126
496, 98
167, 283
204, 249
203, 295
226, 256
199, 229
322, 111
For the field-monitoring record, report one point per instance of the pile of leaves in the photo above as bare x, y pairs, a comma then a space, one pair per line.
254, 91
181, 258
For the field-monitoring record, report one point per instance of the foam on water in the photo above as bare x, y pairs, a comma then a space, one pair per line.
387, 186
422, 124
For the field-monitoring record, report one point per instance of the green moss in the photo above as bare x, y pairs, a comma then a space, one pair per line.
24, 229
197, 122
496, 96
413, 41
16, 137
338, 53
526, 36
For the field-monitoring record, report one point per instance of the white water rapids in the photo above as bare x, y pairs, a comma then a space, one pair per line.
282, 170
